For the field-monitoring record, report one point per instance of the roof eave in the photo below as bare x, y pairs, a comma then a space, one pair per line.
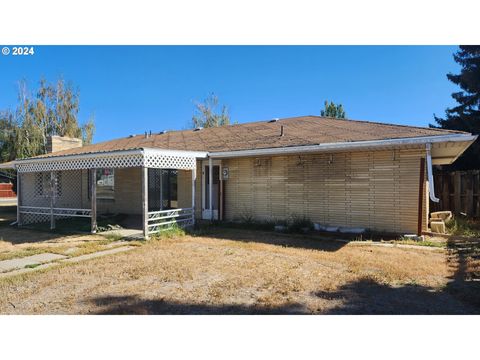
345, 146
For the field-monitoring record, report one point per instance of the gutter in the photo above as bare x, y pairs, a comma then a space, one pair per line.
344, 146
431, 186
262, 152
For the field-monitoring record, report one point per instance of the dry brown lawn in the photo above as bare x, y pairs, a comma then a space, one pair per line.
244, 272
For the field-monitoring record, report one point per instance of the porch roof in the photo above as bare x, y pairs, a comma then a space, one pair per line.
142, 157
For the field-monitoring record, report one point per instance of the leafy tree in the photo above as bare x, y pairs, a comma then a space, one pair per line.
206, 114
53, 110
8, 134
465, 116
334, 111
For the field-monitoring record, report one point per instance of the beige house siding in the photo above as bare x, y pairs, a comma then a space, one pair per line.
184, 189
377, 190
128, 192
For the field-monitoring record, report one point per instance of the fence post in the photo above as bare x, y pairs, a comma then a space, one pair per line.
469, 194
457, 186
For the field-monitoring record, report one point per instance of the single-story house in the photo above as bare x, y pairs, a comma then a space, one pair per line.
334, 172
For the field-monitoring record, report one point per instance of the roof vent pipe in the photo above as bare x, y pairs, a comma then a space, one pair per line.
282, 131
431, 186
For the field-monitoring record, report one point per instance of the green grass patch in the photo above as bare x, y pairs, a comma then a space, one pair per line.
172, 232
463, 227
427, 243
31, 266
112, 237
294, 224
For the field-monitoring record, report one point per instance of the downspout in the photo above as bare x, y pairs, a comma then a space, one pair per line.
431, 186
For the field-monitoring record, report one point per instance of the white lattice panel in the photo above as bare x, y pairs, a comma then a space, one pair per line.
167, 161
157, 159
121, 161
36, 192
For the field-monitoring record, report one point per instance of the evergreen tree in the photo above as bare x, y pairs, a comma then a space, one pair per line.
206, 114
334, 111
466, 115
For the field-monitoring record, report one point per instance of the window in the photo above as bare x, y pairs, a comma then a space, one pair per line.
106, 184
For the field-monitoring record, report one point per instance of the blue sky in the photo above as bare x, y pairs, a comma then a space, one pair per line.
131, 89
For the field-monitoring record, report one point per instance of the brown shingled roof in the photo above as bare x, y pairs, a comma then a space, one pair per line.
298, 131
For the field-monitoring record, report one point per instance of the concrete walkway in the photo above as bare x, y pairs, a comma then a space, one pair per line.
42, 261
126, 234
13, 264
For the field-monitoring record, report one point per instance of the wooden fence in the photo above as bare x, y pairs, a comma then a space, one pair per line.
458, 191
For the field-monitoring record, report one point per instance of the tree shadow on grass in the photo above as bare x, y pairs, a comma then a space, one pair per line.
464, 260
367, 297
361, 297
133, 305
271, 238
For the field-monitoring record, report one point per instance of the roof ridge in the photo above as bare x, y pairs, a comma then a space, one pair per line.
387, 124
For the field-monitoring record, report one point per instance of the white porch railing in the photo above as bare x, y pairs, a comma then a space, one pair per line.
163, 220
36, 210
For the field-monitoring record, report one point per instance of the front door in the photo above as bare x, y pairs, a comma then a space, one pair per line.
208, 214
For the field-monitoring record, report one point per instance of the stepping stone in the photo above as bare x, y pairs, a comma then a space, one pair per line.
12, 264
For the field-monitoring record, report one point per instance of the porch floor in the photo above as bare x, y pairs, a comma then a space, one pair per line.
126, 234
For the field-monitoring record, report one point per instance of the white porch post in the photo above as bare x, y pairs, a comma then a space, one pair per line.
145, 202
210, 186
93, 199
19, 199
52, 199
194, 180
161, 189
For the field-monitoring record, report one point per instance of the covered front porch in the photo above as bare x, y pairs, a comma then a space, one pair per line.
155, 188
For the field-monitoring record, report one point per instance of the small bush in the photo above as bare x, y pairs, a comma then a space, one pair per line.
299, 224
172, 232
246, 217
463, 227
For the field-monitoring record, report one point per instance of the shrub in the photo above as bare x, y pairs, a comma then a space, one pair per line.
463, 227
171, 232
298, 224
